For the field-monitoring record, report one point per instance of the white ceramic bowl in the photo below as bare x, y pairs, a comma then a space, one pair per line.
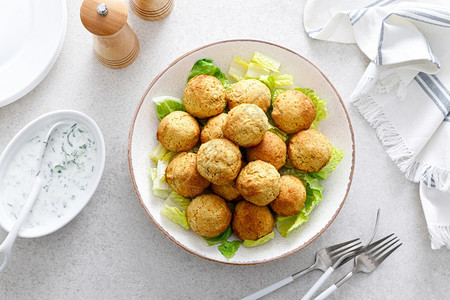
337, 127
28, 132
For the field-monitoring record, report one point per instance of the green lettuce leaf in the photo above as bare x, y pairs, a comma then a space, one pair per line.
178, 201
260, 241
282, 80
228, 249
288, 164
268, 80
158, 153
206, 67
283, 135
175, 209
285, 225
275, 93
256, 71
162, 192
336, 157
219, 238
161, 153
319, 104
238, 69
265, 61
176, 215
160, 187
167, 104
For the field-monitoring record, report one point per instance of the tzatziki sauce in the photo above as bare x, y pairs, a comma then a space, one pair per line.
67, 169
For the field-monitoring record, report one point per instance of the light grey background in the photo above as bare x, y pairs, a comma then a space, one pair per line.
113, 251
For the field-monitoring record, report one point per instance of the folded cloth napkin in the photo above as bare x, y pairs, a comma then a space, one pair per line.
405, 91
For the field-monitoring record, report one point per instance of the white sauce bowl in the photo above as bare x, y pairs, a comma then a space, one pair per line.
24, 136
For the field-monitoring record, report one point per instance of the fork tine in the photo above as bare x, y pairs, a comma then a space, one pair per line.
386, 246
345, 247
380, 259
334, 247
375, 244
349, 252
383, 246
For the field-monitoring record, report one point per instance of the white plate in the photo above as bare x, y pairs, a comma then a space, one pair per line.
337, 127
25, 135
31, 37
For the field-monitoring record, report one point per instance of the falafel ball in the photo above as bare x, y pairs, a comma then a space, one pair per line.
213, 128
246, 125
291, 198
219, 161
249, 91
228, 191
309, 150
251, 222
271, 149
204, 96
178, 131
293, 111
208, 215
259, 182
183, 177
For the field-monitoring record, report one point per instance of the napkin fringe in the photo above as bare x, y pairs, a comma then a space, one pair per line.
396, 148
439, 235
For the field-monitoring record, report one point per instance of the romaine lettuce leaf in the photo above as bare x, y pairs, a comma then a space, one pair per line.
260, 241
319, 104
161, 153
228, 249
256, 71
160, 188
158, 153
167, 104
275, 93
282, 80
275, 81
178, 201
219, 238
265, 61
175, 209
283, 135
268, 80
286, 225
237, 69
176, 215
206, 67
336, 157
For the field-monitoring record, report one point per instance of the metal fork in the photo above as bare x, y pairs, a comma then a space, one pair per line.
324, 259
342, 260
367, 261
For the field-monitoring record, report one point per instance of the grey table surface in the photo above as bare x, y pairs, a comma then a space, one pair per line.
113, 251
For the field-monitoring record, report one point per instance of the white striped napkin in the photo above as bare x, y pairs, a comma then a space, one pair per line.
405, 91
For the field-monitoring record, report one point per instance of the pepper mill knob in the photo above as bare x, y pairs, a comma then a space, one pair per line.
102, 9
115, 44
151, 10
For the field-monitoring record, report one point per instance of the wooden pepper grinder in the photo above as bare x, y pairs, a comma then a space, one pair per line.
115, 44
151, 10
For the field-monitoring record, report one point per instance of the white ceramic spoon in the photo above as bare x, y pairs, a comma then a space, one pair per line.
5, 247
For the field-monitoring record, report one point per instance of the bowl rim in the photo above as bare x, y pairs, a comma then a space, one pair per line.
166, 233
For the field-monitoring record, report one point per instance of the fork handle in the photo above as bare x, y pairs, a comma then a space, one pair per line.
318, 284
269, 289
326, 293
